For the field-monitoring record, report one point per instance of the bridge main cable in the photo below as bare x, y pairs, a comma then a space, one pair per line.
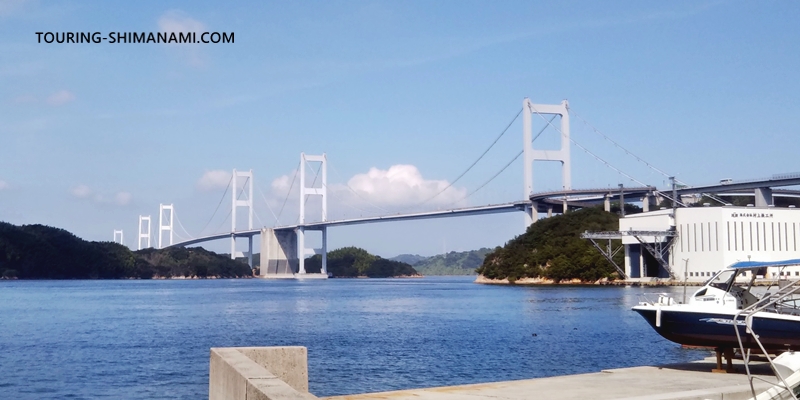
504, 167
218, 204
598, 158
640, 159
473, 164
288, 192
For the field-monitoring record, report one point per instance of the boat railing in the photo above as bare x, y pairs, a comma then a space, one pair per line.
664, 299
770, 302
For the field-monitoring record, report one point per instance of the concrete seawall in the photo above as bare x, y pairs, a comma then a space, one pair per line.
258, 373
276, 373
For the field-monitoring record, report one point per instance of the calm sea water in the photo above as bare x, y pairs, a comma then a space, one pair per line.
151, 339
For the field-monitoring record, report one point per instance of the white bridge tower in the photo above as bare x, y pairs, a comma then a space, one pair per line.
235, 204
312, 191
531, 155
144, 232
161, 223
118, 234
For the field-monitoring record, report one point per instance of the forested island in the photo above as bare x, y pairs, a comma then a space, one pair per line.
551, 250
44, 252
352, 262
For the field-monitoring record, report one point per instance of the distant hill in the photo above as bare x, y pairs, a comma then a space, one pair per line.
410, 259
44, 252
452, 263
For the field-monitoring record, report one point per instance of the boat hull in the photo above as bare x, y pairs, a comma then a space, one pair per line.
716, 329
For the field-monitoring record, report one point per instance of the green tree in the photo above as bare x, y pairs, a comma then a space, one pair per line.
354, 261
552, 248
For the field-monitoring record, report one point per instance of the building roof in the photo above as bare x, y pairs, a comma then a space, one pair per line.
762, 264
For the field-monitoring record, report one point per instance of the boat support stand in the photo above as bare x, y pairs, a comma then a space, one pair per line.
728, 353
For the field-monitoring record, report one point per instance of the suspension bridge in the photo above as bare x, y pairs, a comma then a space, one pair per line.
283, 246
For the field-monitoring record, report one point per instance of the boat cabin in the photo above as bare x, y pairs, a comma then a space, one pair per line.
726, 289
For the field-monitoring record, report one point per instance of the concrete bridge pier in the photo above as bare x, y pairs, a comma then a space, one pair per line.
647, 201
531, 213
278, 253
607, 202
764, 197
283, 253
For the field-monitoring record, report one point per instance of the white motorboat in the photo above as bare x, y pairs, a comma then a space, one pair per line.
726, 301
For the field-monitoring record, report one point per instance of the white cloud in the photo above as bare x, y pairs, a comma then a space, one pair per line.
403, 186
214, 179
122, 198
81, 191
398, 189
3, 185
282, 183
179, 22
60, 98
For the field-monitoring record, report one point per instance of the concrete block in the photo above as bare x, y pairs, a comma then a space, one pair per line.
274, 389
289, 363
234, 375
224, 381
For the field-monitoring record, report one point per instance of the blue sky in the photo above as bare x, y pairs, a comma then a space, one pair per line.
401, 96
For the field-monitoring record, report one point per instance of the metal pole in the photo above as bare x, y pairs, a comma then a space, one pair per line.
685, 277
674, 195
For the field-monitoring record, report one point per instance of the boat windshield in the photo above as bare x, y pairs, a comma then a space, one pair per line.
722, 280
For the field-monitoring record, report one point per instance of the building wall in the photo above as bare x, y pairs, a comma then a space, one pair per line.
636, 257
711, 238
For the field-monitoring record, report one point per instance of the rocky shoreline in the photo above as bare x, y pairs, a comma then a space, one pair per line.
601, 282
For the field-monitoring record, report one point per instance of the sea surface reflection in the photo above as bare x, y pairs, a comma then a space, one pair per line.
151, 339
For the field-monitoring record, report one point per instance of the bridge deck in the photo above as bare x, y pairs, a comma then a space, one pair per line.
480, 210
552, 197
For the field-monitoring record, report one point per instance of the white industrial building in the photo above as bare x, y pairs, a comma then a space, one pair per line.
707, 239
